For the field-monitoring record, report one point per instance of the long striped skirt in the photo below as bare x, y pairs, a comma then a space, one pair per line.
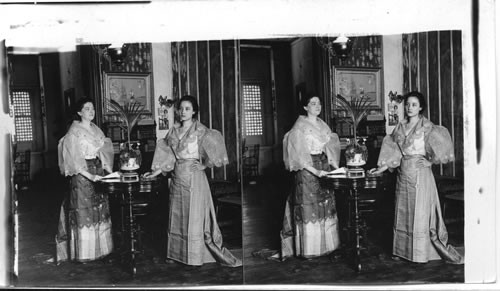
310, 225
84, 231
193, 235
420, 234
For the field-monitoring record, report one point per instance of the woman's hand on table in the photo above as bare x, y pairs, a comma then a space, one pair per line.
321, 173
151, 174
377, 171
96, 178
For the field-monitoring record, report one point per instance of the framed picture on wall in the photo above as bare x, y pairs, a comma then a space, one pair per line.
352, 83
127, 87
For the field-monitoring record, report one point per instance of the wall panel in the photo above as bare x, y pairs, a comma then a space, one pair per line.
406, 64
422, 63
457, 94
438, 57
206, 70
216, 96
230, 101
445, 88
413, 55
192, 60
203, 82
183, 76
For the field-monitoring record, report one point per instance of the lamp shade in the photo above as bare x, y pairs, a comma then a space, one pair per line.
342, 46
117, 54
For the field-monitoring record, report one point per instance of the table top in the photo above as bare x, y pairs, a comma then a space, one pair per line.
119, 180
344, 176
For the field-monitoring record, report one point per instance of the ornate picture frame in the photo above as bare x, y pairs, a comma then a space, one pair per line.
125, 87
354, 82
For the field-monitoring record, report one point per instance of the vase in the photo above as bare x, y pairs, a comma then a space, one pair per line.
356, 153
130, 156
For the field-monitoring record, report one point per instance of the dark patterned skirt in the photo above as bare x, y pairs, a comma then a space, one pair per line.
84, 232
310, 225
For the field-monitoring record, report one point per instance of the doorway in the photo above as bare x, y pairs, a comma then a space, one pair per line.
258, 110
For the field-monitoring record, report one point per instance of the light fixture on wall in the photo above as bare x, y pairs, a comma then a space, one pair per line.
115, 52
340, 47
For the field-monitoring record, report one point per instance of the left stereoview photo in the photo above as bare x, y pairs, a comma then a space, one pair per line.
126, 173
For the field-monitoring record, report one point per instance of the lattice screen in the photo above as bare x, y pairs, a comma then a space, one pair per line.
252, 105
22, 113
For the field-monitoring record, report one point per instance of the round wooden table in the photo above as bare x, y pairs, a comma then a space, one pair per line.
126, 192
353, 185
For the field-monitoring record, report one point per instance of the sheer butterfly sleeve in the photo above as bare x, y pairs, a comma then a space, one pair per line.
164, 156
214, 146
106, 155
70, 157
439, 145
296, 154
332, 149
390, 154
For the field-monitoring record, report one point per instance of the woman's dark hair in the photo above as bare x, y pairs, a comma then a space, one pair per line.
79, 106
305, 100
419, 96
193, 102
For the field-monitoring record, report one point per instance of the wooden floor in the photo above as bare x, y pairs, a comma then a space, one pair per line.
38, 217
261, 222
262, 214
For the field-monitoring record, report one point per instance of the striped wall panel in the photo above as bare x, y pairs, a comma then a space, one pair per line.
208, 71
432, 64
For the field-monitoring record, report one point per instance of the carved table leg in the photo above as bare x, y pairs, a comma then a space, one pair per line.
131, 229
357, 221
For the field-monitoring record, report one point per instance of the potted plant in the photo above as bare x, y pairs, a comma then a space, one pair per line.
357, 108
129, 114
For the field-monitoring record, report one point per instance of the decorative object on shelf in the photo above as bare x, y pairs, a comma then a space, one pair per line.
357, 109
129, 115
394, 108
356, 154
115, 52
130, 160
341, 46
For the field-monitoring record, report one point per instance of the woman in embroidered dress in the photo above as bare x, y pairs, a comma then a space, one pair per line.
193, 236
84, 232
420, 234
310, 149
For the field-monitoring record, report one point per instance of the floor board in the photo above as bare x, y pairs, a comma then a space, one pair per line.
263, 205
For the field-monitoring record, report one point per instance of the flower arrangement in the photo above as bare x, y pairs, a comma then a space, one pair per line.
357, 108
129, 114
395, 97
164, 101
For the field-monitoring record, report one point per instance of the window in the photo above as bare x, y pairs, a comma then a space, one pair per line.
252, 106
23, 115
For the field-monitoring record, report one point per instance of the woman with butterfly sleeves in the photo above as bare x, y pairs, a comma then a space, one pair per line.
310, 150
84, 232
193, 235
416, 144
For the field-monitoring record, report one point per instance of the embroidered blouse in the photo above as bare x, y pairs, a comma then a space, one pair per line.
199, 142
80, 144
425, 138
305, 139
